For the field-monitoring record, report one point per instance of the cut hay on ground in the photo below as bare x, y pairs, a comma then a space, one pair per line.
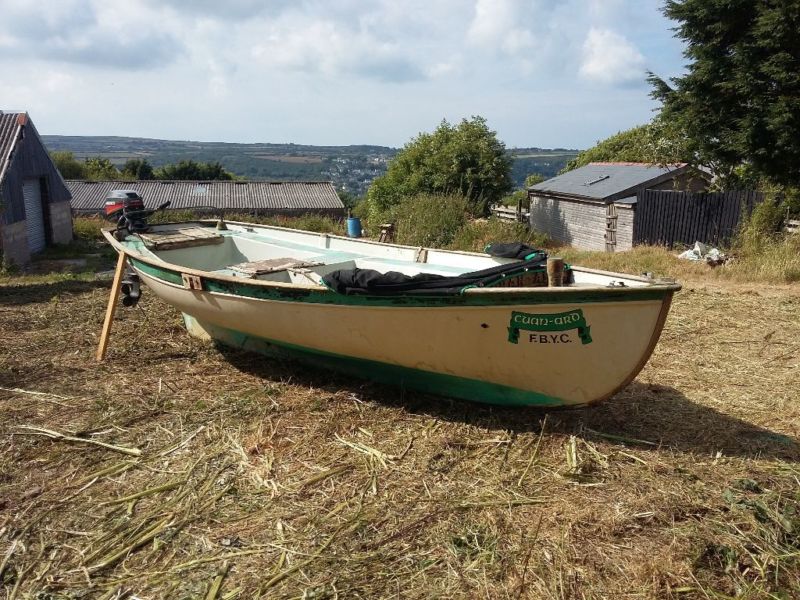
176, 470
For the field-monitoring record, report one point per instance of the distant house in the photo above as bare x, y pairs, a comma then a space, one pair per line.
34, 202
593, 207
287, 198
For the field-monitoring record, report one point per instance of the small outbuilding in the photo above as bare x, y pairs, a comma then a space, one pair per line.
34, 201
285, 198
593, 207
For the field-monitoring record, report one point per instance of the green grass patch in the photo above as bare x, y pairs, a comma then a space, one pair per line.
474, 236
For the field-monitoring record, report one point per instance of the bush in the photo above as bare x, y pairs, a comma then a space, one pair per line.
88, 229
474, 236
430, 220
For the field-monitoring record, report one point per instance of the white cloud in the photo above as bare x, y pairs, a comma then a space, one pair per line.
496, 25
87, 32
333, 49
316, 71
609, 58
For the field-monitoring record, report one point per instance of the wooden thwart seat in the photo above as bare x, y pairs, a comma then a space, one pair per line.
183, 237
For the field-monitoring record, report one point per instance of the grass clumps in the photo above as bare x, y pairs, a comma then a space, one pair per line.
448, 221
475, 235
430, 220
762, 251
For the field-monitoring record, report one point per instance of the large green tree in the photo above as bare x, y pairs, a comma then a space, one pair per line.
101, 169
194, 171
739, 101
137, 168
465, 159
69, 166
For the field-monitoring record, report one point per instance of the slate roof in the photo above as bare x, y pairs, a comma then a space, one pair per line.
608, 181
10, 124
89, 196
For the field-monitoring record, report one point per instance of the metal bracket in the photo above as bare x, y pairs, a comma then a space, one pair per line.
192, 282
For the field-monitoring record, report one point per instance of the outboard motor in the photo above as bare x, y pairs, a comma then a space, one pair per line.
126, 207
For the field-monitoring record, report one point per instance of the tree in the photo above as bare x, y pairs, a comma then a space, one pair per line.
657, 142
137, 168
101, 169
193, 171
69, 166
739, 102
533, 179
465, 159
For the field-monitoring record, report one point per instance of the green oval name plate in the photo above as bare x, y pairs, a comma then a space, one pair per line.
572, 319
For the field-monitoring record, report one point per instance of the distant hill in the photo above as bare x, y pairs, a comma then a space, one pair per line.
350, 167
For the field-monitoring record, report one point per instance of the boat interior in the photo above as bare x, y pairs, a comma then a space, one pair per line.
299, 257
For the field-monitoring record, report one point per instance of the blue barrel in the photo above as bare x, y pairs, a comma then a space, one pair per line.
354, 227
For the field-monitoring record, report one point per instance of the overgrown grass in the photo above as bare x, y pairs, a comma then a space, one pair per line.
430, 220
475, 235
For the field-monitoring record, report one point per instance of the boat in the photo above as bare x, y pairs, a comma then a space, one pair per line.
419, 318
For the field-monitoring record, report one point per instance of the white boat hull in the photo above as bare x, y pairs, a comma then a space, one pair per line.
553, 368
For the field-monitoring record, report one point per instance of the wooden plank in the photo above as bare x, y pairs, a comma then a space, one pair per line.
271, 265
112, 307
184, 237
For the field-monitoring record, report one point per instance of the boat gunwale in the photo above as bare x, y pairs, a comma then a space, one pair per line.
651, 286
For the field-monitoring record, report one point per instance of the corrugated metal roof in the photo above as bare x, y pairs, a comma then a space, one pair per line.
602, 180
89, 196
10, 124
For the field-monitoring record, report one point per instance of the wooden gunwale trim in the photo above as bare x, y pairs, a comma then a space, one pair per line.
494, 293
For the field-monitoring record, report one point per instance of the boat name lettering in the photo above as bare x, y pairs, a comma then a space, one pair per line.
565, 321
549, 338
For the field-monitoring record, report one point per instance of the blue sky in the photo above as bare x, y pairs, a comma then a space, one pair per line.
543, 72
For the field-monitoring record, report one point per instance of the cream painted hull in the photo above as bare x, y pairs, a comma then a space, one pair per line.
556, 366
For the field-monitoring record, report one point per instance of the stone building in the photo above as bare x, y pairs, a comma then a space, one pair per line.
34, 201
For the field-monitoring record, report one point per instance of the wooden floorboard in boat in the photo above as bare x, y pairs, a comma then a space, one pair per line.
270, 265
185, 237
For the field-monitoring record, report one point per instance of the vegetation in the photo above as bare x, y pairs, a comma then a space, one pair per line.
99, 168
475, 235
350, 168
465, 159
430, 220
520, 197
137, 168
657, 142
738, 103
68, 165
229, 475
190, 170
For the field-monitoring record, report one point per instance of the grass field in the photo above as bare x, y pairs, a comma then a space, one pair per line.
190, 471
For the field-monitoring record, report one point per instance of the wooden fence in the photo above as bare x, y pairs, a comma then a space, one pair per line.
666, 218
507, 213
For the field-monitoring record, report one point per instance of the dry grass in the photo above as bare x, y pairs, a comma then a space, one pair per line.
774, 261
263, 479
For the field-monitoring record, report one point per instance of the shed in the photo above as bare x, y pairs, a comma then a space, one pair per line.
593, 207
287, 198
34, 201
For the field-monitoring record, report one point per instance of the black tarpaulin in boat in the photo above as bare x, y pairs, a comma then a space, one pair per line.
512, 250
368, 281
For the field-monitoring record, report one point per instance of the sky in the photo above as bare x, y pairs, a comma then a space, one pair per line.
546, 73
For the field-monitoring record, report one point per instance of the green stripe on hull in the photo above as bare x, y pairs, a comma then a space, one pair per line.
426, 381
324, 296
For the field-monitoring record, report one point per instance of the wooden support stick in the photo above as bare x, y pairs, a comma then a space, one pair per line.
112, 307
555, 272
